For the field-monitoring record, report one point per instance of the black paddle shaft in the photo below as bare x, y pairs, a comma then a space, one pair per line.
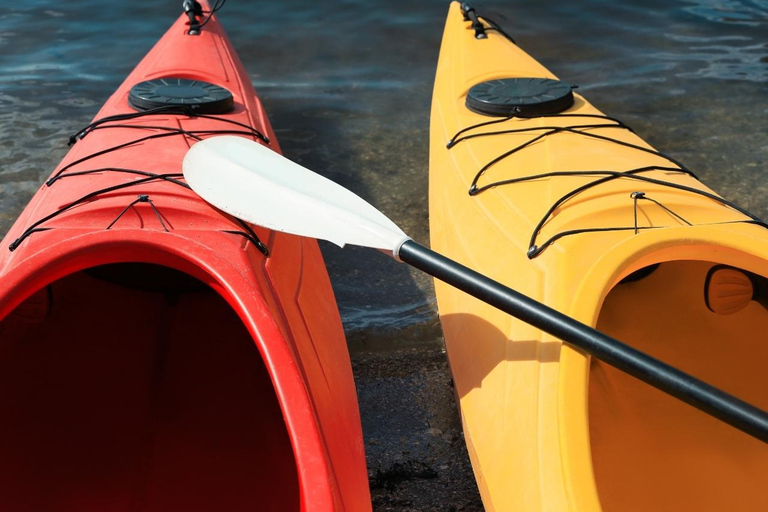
669, 379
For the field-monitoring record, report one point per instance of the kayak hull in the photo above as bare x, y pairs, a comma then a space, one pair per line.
154, 356
546, 426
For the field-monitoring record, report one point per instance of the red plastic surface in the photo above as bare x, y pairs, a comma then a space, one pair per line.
117, 398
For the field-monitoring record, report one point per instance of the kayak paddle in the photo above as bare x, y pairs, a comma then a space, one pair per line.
255, 184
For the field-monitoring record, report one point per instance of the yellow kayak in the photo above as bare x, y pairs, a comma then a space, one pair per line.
535, 188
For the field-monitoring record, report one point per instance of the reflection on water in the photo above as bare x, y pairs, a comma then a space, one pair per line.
348, 85
751, 13
743, 57
721, 60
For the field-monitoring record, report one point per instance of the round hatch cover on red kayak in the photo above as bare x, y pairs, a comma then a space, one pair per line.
172, 91
520, 96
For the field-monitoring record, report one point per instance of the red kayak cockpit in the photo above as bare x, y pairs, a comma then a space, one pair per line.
137, 387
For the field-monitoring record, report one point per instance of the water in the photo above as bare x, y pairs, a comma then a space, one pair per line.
347, 85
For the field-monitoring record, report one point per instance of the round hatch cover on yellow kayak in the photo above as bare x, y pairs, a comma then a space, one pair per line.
519, 96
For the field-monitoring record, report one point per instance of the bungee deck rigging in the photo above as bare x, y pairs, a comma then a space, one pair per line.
113, 121
534, 248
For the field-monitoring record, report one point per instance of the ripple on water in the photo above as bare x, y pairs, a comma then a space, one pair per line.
78, 102
400, 316
750, 13
732, 57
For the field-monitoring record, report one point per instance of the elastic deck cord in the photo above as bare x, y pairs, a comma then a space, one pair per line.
175, 178
585, 130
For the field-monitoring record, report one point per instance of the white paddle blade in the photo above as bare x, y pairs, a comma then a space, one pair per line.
260, 186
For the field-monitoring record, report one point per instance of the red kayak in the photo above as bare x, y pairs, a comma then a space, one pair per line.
156, 353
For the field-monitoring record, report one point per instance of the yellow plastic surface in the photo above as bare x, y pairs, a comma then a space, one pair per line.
546, 428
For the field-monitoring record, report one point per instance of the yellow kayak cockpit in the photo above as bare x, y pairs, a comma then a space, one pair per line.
650, 451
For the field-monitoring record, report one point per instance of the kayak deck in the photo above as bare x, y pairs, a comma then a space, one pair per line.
138, 399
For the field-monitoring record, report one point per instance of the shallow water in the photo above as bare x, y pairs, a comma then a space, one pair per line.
348, 85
